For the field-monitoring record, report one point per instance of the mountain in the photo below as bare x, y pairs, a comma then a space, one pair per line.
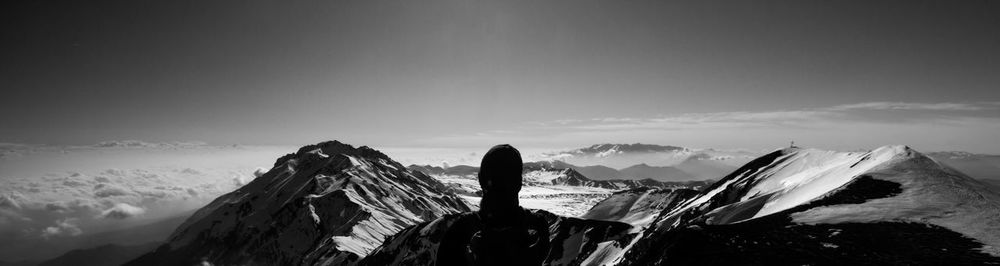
427, 169
553, 186
110, 254
458, 170
638, 206
661, 173
570, 177
606, 150
573, 241
596, 172
119, 246
703, 165
981, 166
992, 183
892, 205
326, 204
600, 161
557, 173
622, 155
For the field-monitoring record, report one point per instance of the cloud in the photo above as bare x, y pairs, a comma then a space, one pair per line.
143, 144
944, 125
915, 106
11, 201
190, 171
809, 117
110, 190
122, 211
66, 227
56, 206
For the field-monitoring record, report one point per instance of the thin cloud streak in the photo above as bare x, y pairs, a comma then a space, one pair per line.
916, 106
935, 126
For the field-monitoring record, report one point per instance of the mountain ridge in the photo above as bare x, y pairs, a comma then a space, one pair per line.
779, 198
326, 204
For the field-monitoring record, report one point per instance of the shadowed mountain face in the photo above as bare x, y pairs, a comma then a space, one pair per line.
573, 241
327, 204
104, 255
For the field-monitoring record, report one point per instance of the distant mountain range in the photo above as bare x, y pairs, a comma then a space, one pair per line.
620, 156
632, 177
673, 163
982, 166
691, 169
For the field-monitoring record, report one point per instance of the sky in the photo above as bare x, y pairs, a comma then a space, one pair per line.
464, 75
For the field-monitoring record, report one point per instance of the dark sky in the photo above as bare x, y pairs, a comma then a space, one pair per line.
433, 73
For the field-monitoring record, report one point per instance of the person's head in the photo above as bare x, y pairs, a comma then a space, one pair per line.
500, 177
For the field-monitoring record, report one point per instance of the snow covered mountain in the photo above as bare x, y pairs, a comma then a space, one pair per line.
327, 204
557, 173
639, 206
548, 185
623, 155
891, 205
665, 163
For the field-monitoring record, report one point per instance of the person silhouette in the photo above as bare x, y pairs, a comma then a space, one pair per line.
501, 232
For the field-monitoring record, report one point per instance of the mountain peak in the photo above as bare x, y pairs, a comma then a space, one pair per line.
627, 148
335, 201
334, 147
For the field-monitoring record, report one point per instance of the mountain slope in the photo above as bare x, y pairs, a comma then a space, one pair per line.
110, 254
704, 166
327, 204
660, 173
892, 205
638, 206
573, 241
